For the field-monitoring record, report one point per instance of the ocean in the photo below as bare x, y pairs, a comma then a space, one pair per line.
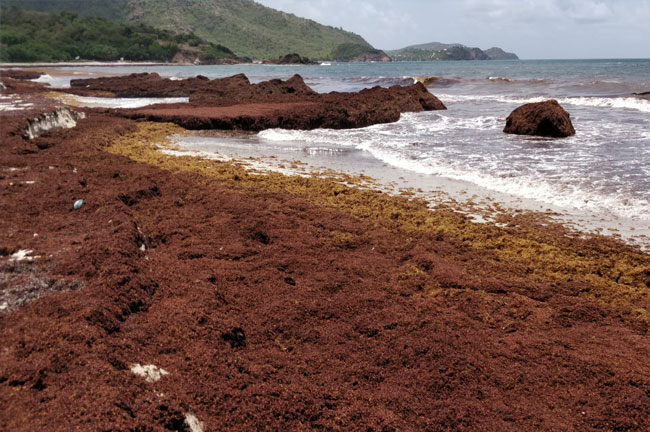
599, 178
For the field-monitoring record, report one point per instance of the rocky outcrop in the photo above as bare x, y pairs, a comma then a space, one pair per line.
436, 81
20, 74
291, 59
139, 85
220, 91
238, 90
547, 119
350, 52
496, 53
61, 118
204, 55
378, 56
460, 53
234, 103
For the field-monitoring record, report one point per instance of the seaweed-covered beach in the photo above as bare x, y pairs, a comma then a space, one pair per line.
189, 293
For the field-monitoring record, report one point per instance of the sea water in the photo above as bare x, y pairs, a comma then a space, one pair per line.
603, 171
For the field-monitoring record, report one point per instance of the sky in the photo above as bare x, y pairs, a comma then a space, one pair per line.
533, 29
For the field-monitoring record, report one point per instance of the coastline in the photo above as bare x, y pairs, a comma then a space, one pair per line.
286, 301
479, 203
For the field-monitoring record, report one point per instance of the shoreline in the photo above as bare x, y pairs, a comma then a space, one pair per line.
285, 302
480, 203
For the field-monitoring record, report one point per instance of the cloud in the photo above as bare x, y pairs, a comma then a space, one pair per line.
531, 28
545, 11
590, 12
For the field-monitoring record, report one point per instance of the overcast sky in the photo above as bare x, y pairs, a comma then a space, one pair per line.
534, 29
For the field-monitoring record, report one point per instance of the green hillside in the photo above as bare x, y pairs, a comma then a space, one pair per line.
31, 36
246, 27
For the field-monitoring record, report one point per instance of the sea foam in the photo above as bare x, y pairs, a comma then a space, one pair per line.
101, 102
632, 103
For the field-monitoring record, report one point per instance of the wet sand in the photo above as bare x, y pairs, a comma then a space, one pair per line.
195, 292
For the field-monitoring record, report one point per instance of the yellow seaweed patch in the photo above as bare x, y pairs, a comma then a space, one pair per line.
72, 100
602, 268
65, 98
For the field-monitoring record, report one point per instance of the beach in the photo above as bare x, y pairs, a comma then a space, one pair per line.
244, 286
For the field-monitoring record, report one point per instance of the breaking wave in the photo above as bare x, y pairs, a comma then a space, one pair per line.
102, 102
633, 103
447, 146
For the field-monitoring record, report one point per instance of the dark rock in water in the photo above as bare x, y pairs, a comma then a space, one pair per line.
291, 59
547, 119
643, 95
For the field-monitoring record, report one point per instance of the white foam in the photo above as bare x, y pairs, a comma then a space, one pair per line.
597, 102
501, 79
13, 103
529, 186
101, 102
198, 154
421, 143
601, 102
45, 78
54, 82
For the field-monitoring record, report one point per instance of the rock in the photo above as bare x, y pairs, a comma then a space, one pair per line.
299, 109
460, 53
234, 103
61, 118
378, 56
21, 74
435, 81
291, 59
496, 53
547, 119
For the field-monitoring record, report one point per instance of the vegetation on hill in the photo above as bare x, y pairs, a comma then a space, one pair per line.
442, 51
29, 36
430, 46
350, 51
246, 27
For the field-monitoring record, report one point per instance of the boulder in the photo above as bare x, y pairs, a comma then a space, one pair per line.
547, 119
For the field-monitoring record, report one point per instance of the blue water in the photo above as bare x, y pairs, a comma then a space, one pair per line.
604, 169
633, 74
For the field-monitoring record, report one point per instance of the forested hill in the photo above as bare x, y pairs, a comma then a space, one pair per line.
31, 36
246, 27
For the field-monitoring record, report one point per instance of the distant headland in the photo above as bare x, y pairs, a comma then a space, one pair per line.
444, 51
